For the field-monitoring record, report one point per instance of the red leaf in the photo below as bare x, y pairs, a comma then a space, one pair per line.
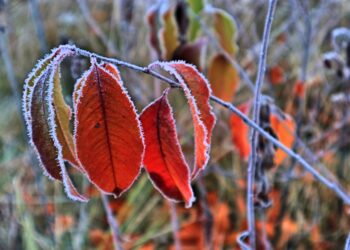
240, 131
276, 75
285, 130
299, 89
164, 160
107, 131
197, 92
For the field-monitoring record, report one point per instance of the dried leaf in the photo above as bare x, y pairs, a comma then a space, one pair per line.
197, 92
151, 17
191, 52
164, 160
62, 119
168, 34
107, 131
285, 130
299, 89
240, 131
38, 70
42, 127
276, 75
182, 19
223, 77
226, 30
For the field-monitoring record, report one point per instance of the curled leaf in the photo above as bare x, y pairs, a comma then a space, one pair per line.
164, 160
43, 128
62, 119
223, 77
168, 34
107, 131
197, 92
32, 78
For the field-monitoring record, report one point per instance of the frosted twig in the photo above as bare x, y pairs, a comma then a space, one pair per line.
347, 243
240, 240
112, 221
175, 225
256, 114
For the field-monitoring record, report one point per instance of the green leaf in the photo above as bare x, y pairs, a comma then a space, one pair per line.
226, 30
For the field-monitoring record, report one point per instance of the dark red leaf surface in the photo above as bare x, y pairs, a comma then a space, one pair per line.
107, 131
164, 160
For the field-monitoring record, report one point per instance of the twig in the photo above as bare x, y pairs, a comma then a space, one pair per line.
175, 225
240, 241
38, 22
325, 181
347, 243
256, 119
96, 29
112, 223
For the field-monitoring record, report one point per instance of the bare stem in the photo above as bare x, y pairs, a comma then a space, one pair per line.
325, 181
112, 223
347, 243
240, 241
256, 114
175, 225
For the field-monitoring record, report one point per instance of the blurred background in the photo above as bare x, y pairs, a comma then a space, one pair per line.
308, 72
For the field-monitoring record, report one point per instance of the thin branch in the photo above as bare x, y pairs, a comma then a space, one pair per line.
175, 225
240, 241
256, 114
325, 181
347, 243
112, 221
